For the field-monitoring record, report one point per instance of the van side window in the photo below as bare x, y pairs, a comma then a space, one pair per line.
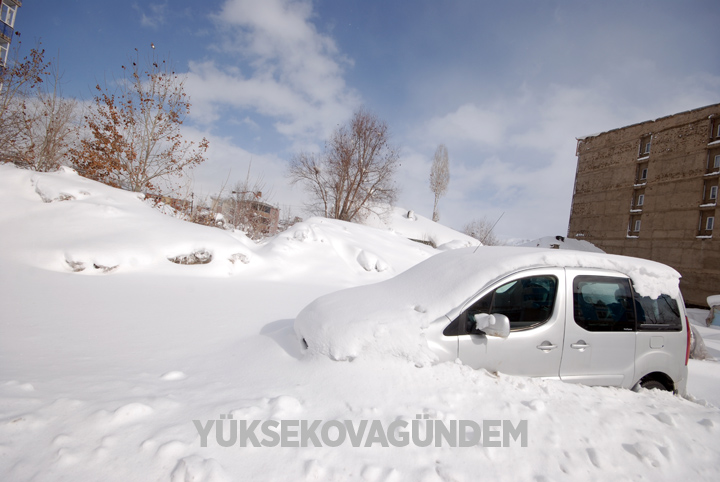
659, 314
527, 302
603, 303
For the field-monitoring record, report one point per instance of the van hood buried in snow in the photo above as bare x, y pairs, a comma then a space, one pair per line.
391, 317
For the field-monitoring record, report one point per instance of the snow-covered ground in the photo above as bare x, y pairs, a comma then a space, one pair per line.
112, 358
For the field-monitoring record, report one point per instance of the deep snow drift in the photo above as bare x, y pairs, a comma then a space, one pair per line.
109, 353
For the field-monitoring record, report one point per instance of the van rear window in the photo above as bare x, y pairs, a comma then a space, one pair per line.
659, 314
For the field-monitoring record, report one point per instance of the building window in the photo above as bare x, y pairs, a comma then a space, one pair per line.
644, 146
4, 46
713, 161
634, 225
710, 190
7, 14
707, 222
642, 173
640, 200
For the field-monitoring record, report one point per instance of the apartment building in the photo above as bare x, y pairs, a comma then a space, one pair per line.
650, 190
8, 11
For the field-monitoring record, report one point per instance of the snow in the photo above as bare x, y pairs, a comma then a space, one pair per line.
703, 383
102, 373
409, 224
561, 242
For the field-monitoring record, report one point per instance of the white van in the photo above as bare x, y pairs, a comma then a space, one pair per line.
582, 317
577, 324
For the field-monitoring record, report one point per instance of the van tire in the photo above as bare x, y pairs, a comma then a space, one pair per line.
652, 384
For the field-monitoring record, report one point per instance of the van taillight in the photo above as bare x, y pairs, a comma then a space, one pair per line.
687, 349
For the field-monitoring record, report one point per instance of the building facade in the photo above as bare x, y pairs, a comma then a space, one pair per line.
8, 11
650, 190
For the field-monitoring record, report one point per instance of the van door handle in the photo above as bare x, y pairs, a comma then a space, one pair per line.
579, 345
546, 346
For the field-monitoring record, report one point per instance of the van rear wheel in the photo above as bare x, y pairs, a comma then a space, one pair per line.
652, 384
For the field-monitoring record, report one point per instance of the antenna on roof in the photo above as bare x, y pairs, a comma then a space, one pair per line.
482, 241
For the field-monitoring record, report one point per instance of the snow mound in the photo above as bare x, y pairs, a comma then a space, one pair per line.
391, 317
357, 248
411, 225
75, 225
561, 242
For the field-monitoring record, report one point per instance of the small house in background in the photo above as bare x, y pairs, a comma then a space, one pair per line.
265, 216
256, 218
650, 190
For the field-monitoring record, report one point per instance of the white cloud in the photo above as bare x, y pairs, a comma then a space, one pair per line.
154, 16
470, 124
292, 73
226, 163
516, 154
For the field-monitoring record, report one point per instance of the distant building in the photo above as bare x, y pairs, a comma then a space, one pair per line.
650, 190
263, 215
256, 218
7, 27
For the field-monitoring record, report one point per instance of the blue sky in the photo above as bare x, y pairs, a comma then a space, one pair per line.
507, 86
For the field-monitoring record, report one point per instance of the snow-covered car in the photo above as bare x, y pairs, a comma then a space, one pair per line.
583, 317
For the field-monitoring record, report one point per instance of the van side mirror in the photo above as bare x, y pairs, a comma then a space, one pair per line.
492, 325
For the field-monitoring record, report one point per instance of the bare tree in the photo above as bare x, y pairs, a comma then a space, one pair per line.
19, 79
354, 173
48, 129
482, 230
135, 138
439, 177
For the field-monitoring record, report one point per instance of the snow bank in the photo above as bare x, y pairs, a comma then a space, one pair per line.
102, 377
73, 224
561, 242
358, 249
409, 224
390, 317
